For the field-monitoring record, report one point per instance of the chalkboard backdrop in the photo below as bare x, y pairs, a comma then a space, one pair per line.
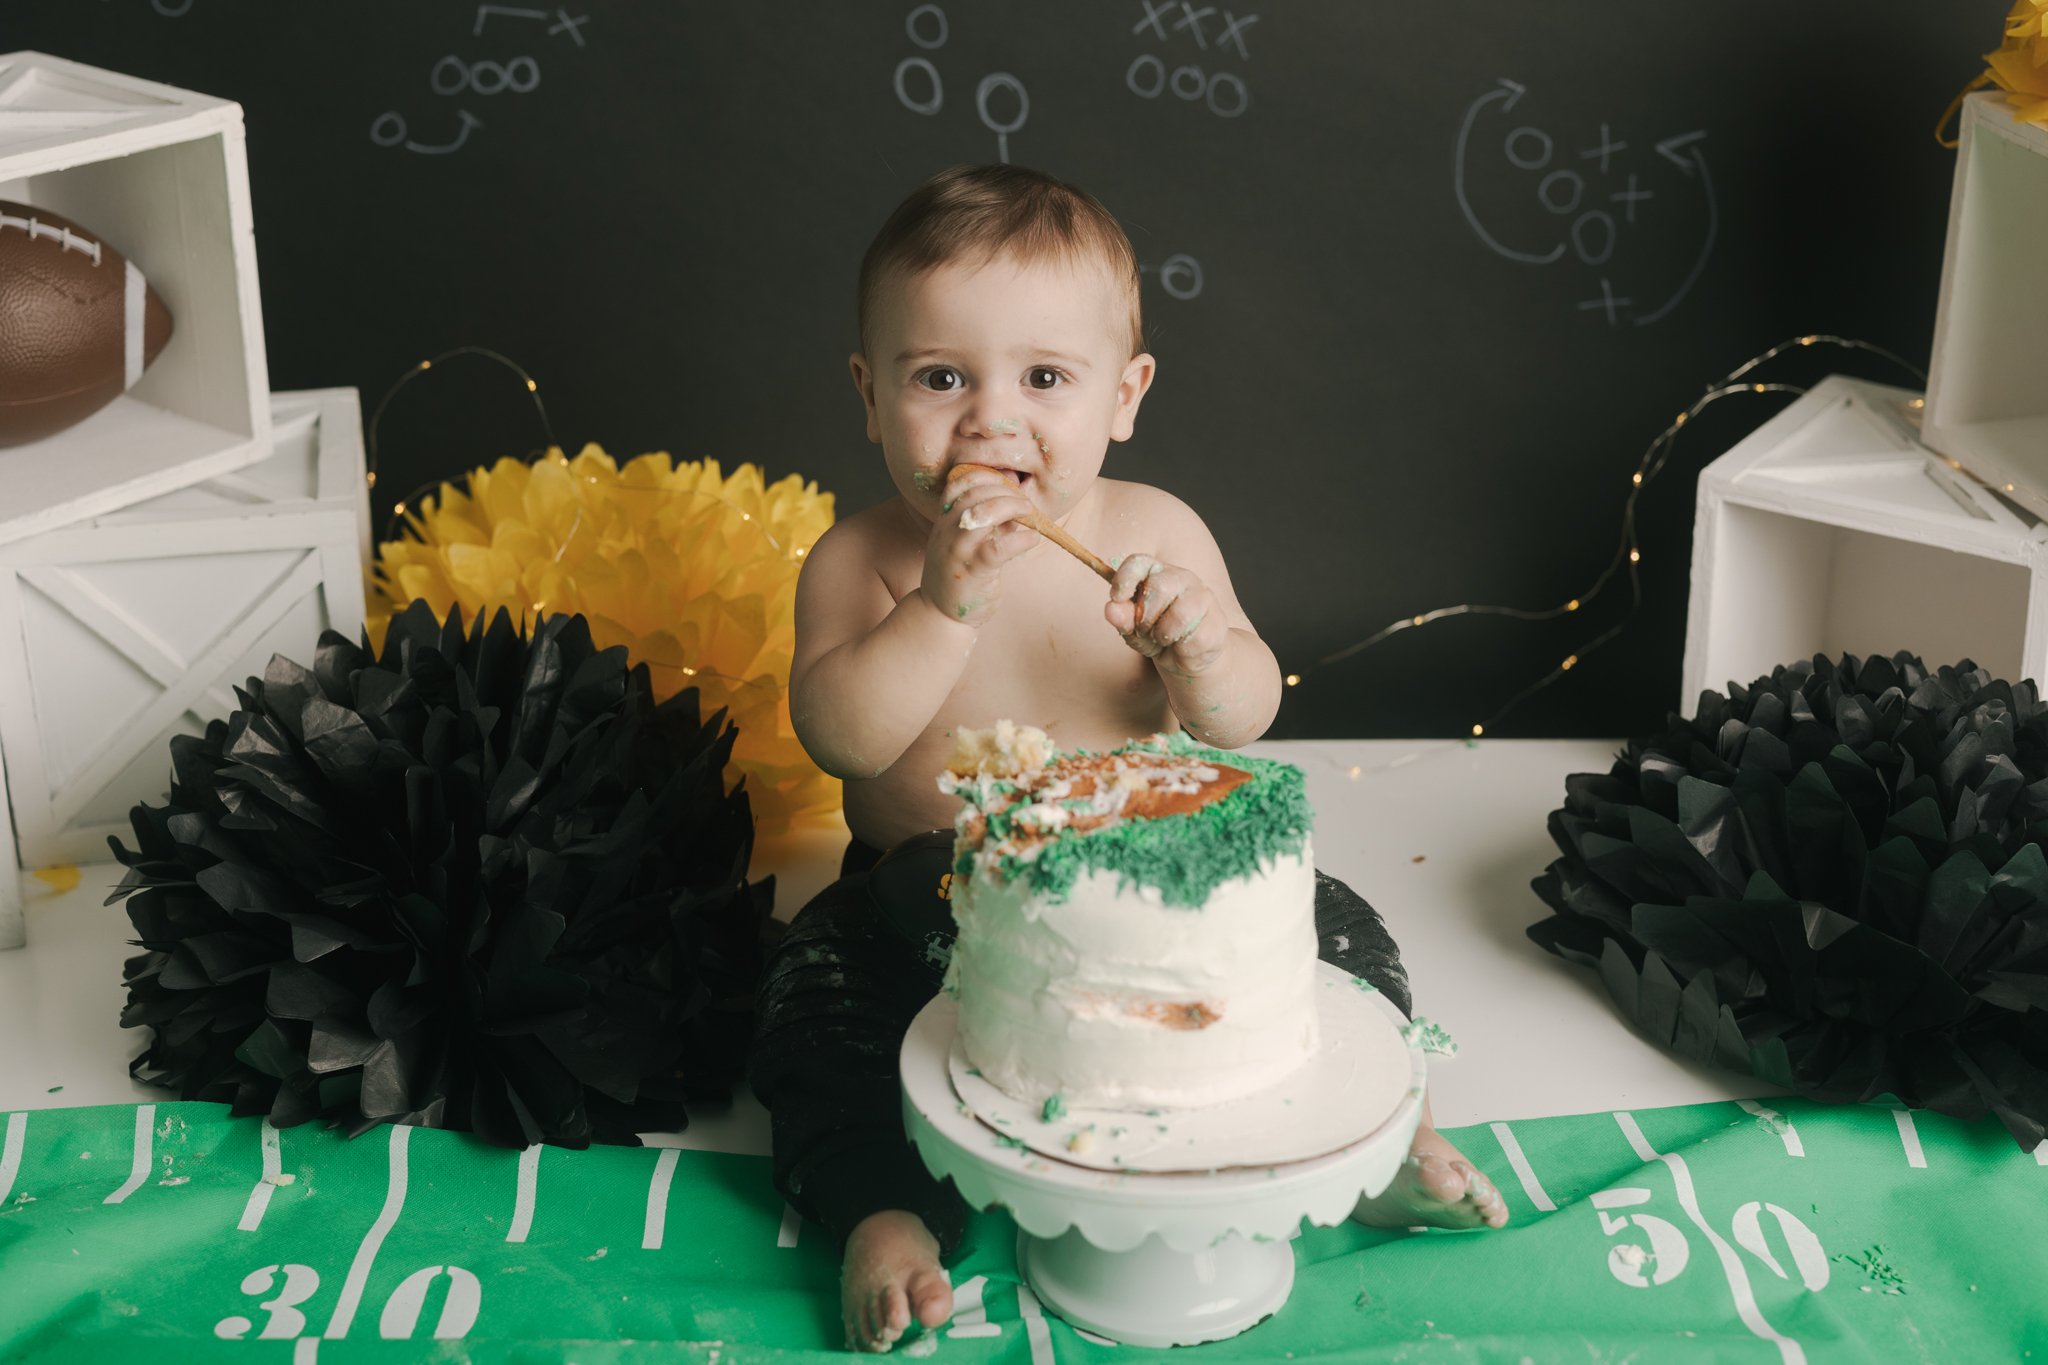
1423, 279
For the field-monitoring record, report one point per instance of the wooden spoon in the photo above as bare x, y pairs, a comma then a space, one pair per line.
1052, 530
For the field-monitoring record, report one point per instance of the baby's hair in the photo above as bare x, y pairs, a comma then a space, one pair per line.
977, 213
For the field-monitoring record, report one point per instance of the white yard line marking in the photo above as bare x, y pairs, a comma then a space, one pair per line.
1746, 1308
366, 1254
1778, 1124
2040, 1159
522, 1203
793, 1223
305, 1351
1035, 1329
1526, 1173
970, 1314
657, 1199
1909, 1138
259, 1198
17, 1132
138, 1168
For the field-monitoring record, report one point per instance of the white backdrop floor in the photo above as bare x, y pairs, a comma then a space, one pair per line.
1443, 837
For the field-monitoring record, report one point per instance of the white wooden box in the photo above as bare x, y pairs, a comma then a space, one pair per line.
1831, 529
131, 628
163, 174
1987, 387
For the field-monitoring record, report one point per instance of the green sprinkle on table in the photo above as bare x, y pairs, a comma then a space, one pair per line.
1054, 1108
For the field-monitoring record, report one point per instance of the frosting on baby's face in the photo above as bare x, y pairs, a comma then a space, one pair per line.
1023, 366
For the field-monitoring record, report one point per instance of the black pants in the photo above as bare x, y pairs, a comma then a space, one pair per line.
856, 966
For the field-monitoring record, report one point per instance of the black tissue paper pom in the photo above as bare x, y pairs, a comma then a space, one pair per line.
482, 882
1834, 879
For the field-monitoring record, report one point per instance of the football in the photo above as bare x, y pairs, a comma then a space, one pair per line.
78, 323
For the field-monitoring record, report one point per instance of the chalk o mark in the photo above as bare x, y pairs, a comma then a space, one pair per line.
1529, 162
1146, 62
1185, 90
990, 84
388, 130
1575, 185
1605, 221
910, 27
932, 103
1244, 96
1181, 276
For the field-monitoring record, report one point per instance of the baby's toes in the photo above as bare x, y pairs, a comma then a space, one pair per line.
931, 1297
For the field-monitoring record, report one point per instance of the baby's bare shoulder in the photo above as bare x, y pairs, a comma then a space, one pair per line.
871, 538
1152, 514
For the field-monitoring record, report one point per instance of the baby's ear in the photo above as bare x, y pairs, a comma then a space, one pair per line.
1130, 392
864, 380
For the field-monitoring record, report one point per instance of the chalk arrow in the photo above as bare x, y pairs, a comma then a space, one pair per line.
1672, 149
1509, 93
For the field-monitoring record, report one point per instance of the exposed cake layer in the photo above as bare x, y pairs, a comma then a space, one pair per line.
1137, 928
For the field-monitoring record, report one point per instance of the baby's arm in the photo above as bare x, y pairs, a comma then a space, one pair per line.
1221, 680
870, 673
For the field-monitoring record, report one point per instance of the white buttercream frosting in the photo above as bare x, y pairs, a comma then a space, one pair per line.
1113, 999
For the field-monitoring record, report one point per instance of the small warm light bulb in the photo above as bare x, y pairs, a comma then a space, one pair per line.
1808, 341
801, 551
372, 476
1569, 660
1635, 556
1416, 622
1572, 605
532, 387
1917, 403
689, 672
426, 364
1760, 388
1636, 478
1478, 730
537, 607
398, 510
1681, 419
746, 516
1294, 679
2009, 488
1356, 770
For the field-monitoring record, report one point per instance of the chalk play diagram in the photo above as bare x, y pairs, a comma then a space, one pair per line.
1772, 1231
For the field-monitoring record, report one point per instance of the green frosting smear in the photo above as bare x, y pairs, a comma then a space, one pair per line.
1182, 857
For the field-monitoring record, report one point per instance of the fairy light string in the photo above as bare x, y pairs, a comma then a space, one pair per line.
1628, 554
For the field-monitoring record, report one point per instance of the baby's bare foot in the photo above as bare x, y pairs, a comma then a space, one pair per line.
891, 1275
1435, 1187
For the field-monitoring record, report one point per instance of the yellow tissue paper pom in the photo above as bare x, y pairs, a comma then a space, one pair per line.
692, 570
2020, 66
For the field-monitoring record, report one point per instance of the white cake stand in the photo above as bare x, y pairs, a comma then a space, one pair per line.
1174, 1257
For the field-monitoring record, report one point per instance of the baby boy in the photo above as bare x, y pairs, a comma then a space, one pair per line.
999, 328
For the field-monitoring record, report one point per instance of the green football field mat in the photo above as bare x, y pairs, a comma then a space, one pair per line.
1774, 1231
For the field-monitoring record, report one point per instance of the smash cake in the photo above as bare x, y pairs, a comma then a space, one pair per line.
1136, 929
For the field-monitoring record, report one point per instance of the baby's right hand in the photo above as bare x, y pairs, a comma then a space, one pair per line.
976, 533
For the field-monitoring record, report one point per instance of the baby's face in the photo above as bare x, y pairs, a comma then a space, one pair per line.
1025, 367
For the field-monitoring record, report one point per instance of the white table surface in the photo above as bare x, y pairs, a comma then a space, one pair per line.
1443, 837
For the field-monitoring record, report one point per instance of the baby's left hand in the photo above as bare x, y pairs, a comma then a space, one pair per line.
1161, 609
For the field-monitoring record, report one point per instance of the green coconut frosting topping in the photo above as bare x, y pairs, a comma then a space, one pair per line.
1024, 822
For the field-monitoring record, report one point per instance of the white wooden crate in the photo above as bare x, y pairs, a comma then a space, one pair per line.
1832, 529
118, 633
1987, 387
162, 173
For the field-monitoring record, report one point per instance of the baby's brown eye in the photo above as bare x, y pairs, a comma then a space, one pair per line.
940, 380
1044, 377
